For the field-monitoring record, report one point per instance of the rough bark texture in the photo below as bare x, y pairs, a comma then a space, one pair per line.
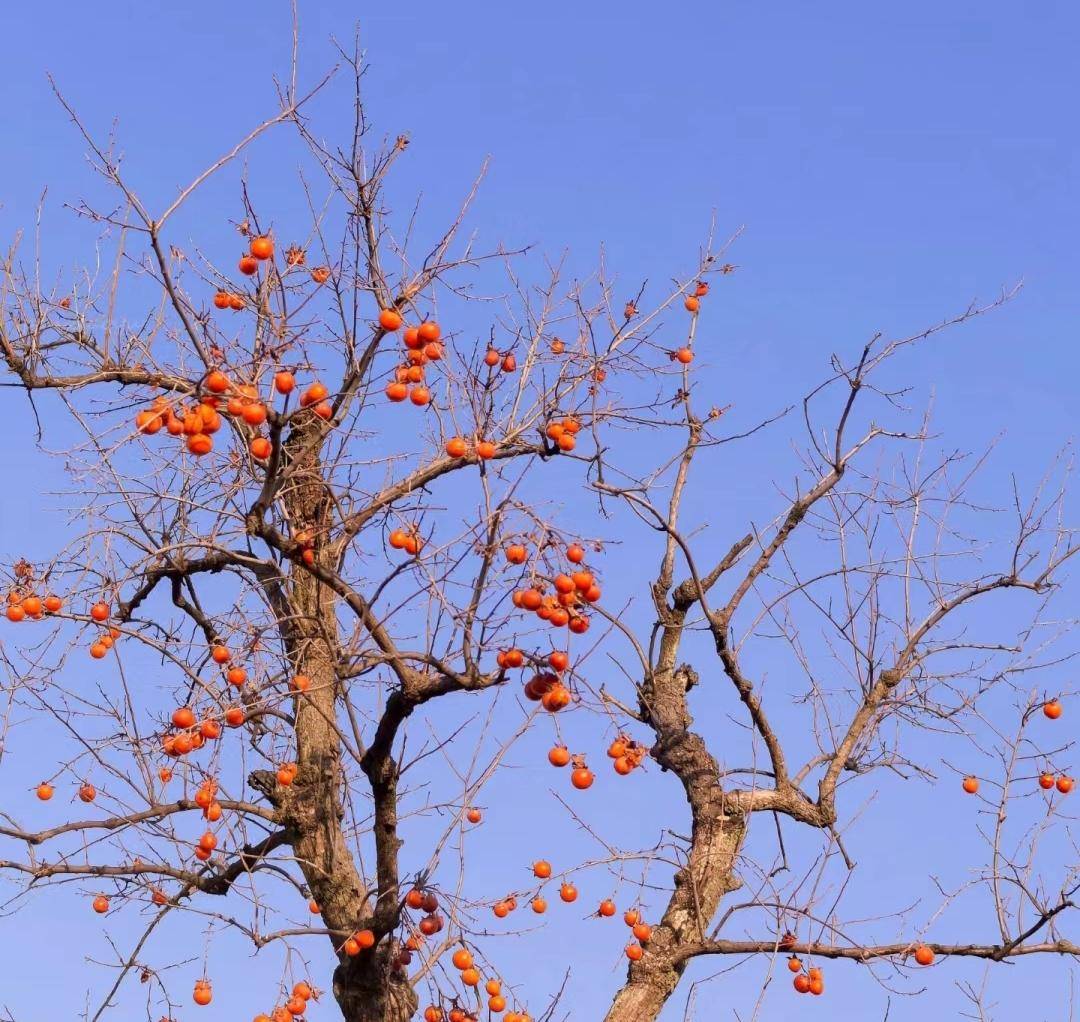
718, 828
367, 988
699, 888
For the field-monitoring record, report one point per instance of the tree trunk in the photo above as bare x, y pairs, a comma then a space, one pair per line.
367, 988
718, 829
699, 888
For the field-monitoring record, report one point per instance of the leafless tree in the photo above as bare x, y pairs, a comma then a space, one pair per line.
317, 572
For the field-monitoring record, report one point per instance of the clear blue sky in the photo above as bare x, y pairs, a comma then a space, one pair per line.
890, 164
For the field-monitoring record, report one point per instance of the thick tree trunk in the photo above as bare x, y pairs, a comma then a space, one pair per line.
367, 987
699, 888
718, 829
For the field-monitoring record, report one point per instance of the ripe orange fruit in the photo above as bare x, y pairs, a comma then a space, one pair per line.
217, 382
691, 304
971, 785
261, 448
183, 717
99, 611
684, 356
1064, 784
366, 939
794, 965
200, 444
284, 382
44, 791
101, 904
456, 447
390, 319
220, 654
474, 816
635, 952
542, 869
1052, 709
420, 396
262, 247
248, 265
642, 931
485, 449
221, 300
314, 394
1046, 781
568, 892
470, 977
923, 955
254, 414
202, 994
87, 792
559, 756
429, 331
462, 959
563, 583
53, 604
234, 716
397, 391
555, 699
582, 778
801, 983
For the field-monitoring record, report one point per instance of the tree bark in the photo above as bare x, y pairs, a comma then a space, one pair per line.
718, 829
368, 988
700, 886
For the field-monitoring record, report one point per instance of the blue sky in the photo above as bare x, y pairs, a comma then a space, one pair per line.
890, 164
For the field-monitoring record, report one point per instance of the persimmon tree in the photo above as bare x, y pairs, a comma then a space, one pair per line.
333, 512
